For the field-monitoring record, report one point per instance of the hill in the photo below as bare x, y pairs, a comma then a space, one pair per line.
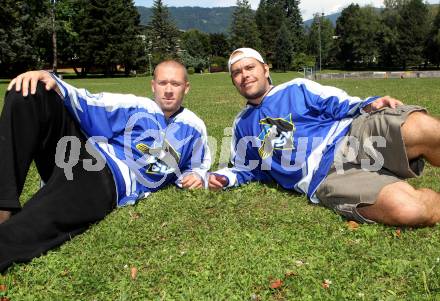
216, 19
331, 17
210, 20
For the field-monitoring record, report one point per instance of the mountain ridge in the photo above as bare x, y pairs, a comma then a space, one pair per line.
209, 20
214, 19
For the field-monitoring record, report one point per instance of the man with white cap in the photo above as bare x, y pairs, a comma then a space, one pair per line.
346, 153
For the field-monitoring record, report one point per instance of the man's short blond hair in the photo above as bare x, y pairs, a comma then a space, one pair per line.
171, 63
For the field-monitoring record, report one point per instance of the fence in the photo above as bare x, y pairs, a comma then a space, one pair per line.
379, 74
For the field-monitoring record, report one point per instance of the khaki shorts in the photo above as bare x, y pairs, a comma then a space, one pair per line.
371, 156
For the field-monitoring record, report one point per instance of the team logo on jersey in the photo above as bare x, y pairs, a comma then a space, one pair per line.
163, 159
277, 134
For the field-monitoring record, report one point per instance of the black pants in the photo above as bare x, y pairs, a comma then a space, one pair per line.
30, 128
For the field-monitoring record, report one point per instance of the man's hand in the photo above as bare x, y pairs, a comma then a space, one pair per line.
26, 82
4, 216
382, 102
192, 181
217, 182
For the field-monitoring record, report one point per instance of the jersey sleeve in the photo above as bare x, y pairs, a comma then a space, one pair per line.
332, 101
239, 173
103, 114
200, 161
236, 176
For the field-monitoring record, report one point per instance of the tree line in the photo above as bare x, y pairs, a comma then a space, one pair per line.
405, 33
87, 35
106, 36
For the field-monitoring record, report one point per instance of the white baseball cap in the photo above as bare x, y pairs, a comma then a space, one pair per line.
246, 53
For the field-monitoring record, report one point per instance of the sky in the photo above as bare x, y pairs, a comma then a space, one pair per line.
308, 7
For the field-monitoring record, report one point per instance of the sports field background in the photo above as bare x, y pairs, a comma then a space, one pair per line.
256, 242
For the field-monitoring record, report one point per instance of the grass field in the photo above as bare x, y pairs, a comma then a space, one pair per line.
234, 245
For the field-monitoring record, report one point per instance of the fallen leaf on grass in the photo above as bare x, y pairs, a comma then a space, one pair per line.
398, 232
290, 274
64, 273
134, 216
133, 273
3, 288
5, 299
276, 284
352, 225
326, 283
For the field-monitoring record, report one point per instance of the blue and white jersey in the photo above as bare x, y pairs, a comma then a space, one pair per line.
290, 137
143, 149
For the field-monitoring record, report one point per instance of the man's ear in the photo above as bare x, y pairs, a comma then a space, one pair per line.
187, 87
266, 70
152, 85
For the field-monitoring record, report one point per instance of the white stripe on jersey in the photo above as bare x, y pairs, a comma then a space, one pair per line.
228, 173
314, 159
234, 125
319, 90
189, 118
126, 173
113, 101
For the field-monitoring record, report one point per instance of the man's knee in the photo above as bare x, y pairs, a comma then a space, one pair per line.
420, 123
399, 204
15, 99
411, 213
14, 96
421, 135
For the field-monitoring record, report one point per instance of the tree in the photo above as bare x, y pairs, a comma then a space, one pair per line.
322, 30
244, 31
388, 36
108, 35
394, 4
196, 46
17, 36
432, 49
10, 32
357, 30
412, 29
54, 32
162, 34
198, 63
133, 53
302, 60
66, 15
283, 49
294, 24
54, 36
219, 44
196, 43
269, 17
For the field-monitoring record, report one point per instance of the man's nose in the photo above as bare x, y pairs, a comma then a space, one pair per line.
168, 88
245, 73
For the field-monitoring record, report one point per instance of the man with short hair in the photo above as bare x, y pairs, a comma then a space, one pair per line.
94, 152
319, 141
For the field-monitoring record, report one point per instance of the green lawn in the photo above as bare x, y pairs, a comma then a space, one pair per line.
201, 245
